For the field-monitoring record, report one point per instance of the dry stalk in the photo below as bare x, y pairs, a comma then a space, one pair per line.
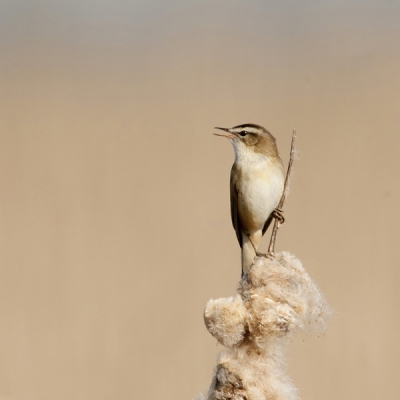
277, 299
271, 247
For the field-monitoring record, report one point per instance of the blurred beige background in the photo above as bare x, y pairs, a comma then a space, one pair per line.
114, 210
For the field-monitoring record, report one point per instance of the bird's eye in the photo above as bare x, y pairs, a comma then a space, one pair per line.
243, 133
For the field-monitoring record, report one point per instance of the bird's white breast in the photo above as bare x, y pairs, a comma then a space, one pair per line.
261, 185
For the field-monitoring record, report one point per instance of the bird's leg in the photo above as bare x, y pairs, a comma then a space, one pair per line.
251, 241
278, 214
258, 254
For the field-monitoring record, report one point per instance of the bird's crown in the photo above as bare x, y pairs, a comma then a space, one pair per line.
250, 128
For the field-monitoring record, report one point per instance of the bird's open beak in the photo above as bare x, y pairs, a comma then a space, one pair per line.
229, 135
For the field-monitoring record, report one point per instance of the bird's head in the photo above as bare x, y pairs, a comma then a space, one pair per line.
250, 138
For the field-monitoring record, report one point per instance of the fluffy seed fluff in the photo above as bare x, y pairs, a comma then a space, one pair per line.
275, 300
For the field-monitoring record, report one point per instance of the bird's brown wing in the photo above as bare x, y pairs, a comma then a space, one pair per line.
234, 206
267, 224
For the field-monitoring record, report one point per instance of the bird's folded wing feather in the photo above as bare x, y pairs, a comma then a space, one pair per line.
235, 207
267, 224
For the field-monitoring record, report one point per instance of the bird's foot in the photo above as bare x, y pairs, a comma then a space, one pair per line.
271, 255
278, 214
265, 255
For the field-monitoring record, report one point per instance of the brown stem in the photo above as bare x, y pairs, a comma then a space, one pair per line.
271, 247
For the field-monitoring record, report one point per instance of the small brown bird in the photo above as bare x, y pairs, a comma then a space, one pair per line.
257, 181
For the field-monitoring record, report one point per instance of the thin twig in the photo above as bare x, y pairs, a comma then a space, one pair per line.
271, 247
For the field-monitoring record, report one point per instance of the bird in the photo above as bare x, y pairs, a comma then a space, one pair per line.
256, 186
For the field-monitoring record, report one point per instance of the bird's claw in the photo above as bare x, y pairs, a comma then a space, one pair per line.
269, 255
278, 214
